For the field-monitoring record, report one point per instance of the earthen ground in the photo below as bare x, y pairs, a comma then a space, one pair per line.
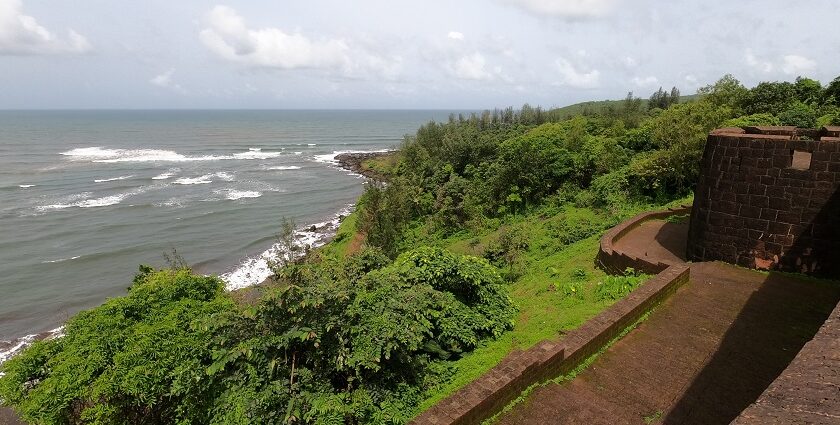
701, 357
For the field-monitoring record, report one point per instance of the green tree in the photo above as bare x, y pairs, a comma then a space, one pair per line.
727, 92
799, 114
808, 91
831, 94
770, 97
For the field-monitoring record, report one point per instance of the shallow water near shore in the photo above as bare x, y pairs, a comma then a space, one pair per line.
86, 196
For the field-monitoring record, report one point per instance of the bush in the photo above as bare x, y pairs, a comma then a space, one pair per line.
800, 115
140, 358
752, 120
347, 342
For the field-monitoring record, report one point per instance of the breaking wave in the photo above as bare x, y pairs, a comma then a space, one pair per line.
105, 155
255, 270
205, 179
112, 179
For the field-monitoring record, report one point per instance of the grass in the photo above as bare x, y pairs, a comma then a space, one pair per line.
342, 242
549, 267
653, 417
554, 285
382, 165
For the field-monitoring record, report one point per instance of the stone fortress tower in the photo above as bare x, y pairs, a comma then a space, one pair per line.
769, 198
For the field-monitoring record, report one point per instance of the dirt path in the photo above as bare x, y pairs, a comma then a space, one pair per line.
701, 358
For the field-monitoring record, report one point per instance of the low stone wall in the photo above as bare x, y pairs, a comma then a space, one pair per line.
491, 392
808, 390
617, 262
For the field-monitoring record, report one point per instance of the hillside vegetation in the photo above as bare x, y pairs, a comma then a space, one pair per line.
482, 241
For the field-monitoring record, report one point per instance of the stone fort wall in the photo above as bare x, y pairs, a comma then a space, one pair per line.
769, 198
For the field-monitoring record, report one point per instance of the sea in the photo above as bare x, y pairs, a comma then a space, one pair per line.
88, 196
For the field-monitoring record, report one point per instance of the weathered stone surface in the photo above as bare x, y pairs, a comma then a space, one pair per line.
786, 209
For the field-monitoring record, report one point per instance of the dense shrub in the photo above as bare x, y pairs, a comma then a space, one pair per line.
350, 341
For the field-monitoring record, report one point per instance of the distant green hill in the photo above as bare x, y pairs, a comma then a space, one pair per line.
599, 106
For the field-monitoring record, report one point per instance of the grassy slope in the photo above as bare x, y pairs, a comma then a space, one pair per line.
550, 268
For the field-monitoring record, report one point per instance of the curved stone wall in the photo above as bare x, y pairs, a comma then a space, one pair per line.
615, 261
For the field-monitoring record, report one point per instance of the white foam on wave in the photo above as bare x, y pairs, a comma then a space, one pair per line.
298, 153
169, 174
83, 202
106, 155
171, 202
283, 167
256, 155
61, 260
239, 194
24, 186
17, 345
253, 271
205, 179
113, 179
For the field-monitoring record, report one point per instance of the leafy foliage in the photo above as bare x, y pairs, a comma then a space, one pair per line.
139, 358
338, 341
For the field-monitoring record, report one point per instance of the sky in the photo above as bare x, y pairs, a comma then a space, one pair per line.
381, 54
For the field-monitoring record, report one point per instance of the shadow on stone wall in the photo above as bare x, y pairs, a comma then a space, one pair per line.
767, 198
821, 235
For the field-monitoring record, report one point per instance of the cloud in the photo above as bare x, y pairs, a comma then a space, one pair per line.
566, 9
629, 62
757, 63
646, 81
797, 65
572, 77
455, 35
165, 80
472, 67
22, 35
227, 35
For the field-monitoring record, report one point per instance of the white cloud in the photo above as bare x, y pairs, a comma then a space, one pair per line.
22, 35
229, 38
691, 79
455, 35
572, 77
797, 65
165, 80
567, 9
629, 62
472, 67
646, 81
227, 35
758, 63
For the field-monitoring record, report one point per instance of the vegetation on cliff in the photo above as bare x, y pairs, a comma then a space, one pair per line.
480, 242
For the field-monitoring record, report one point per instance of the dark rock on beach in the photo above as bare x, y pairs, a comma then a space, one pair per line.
353, 162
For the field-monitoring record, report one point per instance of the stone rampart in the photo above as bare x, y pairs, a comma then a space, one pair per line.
768, 198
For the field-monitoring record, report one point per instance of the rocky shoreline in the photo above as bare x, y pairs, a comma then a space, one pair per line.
354, 162
350, 161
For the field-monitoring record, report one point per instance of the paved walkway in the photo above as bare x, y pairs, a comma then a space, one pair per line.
701, 358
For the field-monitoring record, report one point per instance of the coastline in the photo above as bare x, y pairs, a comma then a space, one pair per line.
312, 235
354, 162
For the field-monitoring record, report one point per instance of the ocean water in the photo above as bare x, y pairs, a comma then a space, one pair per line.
87, 196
